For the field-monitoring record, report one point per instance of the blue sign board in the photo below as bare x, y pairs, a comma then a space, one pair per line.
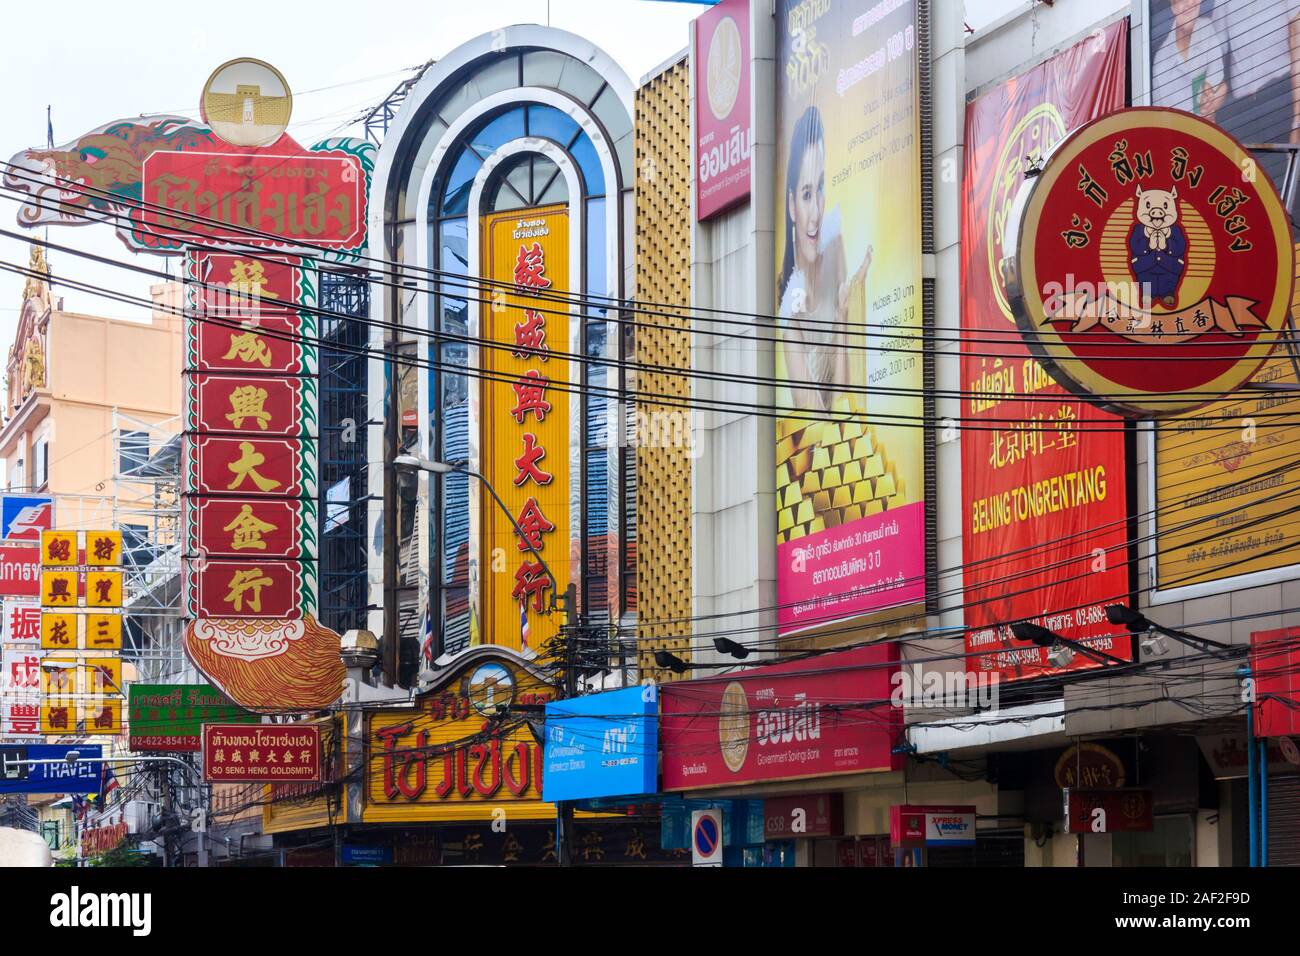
355, 855
24, 517
17, 775
602, 745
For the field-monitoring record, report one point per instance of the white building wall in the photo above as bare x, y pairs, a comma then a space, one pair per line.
734, 496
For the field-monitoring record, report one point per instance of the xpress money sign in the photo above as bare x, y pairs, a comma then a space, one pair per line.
1154, 264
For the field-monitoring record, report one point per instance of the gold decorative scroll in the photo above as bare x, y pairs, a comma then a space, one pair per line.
1233, 315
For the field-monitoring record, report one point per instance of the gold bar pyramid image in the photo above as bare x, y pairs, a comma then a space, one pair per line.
831, 473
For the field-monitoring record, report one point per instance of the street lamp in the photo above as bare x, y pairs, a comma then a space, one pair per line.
563, 808
671, 661
414, 462
725, 645
1138, 622
1061, 649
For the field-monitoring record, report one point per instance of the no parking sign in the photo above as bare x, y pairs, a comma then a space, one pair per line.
706, 837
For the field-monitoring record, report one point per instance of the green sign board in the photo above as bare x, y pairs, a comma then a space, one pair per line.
170, 717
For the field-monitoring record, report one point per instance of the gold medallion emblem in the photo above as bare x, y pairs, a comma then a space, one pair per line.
247, 103
733, 726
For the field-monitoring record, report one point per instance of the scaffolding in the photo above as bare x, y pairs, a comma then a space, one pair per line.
146, 508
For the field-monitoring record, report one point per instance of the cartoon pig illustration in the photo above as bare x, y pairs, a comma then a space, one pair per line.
1158, 245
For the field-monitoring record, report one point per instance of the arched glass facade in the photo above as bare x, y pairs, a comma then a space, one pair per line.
483, 145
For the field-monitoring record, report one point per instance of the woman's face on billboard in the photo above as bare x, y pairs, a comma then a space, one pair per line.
808, 202
1185, 11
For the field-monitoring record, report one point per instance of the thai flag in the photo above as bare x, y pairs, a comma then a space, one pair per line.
79, 807
426, 636
108, 783
523, 625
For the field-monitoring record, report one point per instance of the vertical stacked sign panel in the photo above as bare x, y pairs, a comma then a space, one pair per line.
81, 633
526, 415
250, 478
22, 519
724, 130
250, 463
246, 204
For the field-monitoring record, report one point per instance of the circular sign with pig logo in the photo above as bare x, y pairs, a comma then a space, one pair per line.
1153, 264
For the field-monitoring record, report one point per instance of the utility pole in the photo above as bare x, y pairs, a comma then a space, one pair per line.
568, 629
564, 808
201, 815
166, 815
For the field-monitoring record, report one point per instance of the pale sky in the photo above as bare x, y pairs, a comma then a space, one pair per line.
339, 58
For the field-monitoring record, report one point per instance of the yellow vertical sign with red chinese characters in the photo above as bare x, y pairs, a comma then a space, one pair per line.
524, 437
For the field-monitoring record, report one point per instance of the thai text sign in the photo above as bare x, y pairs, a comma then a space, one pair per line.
168, 717
1038, 464
447, 760
774, 722
235, 753
20, 570
724, 131
1154, 270
312, 198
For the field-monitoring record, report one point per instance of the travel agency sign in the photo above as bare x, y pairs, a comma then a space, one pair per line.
1153, 265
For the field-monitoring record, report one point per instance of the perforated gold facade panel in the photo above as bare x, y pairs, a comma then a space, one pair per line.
663, 264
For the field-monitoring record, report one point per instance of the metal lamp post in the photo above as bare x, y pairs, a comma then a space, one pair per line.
564, 808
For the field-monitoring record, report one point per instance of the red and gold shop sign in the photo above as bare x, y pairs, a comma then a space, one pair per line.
1154, 264
252, 588
462, 752
526, 418
243, 753
1109, 811
315, 198
249, 284
243, 466
247, 527
248, 404
268, 344
1089, 766
102, 839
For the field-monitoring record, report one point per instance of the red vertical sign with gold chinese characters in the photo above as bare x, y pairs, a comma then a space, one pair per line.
525, 440
252, 449
251, 495
1024, 434
243, 201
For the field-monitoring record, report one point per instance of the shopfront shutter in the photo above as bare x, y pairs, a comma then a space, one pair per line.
1284, 819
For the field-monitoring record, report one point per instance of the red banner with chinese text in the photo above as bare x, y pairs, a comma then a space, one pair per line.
1044, 496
